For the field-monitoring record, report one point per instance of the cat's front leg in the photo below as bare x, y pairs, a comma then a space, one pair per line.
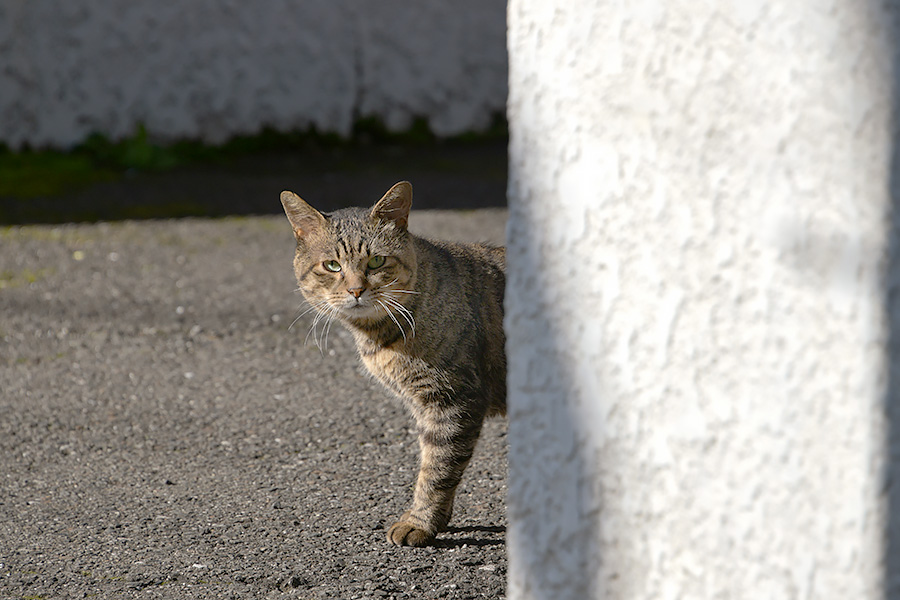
445, 451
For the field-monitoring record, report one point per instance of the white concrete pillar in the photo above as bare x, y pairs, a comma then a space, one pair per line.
695, 305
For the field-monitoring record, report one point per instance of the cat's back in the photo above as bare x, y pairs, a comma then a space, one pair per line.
488, 260
457, 271
489, 254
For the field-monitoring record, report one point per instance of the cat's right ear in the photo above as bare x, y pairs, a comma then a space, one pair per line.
303, 217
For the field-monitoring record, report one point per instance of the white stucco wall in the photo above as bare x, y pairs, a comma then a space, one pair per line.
214, 68
698, 198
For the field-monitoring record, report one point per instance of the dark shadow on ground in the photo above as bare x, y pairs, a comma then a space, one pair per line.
486, 535
445, 175
482, 528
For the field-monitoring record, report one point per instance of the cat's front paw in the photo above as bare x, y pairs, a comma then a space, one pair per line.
402, 533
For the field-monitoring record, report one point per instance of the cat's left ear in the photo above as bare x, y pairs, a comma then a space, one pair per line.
303, 217
394, 205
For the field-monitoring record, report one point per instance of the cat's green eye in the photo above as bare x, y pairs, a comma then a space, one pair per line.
375, 262
332, 265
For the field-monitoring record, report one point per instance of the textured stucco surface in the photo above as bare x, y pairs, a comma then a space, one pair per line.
698, 201
214, 68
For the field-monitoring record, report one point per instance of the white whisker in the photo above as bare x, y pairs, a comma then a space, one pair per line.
393, 318
319, 316
311, 329
404, 312
387, 287
409, 319
331, 319
311, 308
317, 337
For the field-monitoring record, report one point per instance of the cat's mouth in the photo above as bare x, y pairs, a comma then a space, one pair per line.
354, 303
358, 309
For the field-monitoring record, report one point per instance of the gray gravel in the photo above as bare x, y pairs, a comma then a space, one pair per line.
165, 433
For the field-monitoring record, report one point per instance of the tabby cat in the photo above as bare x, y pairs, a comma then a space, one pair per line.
427, 318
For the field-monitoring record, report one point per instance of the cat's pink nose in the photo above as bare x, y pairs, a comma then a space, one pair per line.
357, 292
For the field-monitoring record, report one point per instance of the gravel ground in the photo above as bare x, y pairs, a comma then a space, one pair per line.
165, 433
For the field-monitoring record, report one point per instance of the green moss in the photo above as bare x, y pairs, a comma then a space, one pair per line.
35, 174
137, 152
32, 174
42, 186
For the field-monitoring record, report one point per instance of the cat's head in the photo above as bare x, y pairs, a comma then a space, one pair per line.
355, 264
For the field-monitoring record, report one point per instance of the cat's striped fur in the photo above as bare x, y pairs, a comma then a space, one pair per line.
427, 318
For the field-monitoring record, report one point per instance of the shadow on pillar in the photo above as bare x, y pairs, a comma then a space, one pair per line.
891, 282
554, 492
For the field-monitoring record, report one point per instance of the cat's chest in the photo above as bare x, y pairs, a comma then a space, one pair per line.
405, 374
